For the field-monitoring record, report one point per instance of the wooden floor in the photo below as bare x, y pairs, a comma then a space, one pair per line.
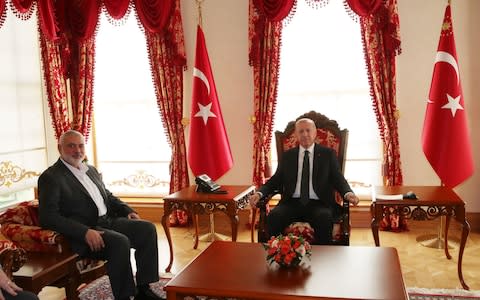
421, 266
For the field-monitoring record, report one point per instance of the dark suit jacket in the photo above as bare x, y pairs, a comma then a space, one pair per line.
326, 176
66, 207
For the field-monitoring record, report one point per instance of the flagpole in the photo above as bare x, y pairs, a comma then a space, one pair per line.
437, 241
212, 235
199, 7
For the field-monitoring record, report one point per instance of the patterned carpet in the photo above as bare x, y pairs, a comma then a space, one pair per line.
442, 294
100, 290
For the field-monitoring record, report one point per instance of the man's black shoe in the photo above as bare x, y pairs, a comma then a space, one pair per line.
145, 293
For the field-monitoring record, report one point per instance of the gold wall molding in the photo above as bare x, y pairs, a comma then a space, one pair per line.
10, 173
140, 180
359, 184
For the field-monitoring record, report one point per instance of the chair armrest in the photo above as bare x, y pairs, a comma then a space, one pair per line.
263, 201
34, 238
346, 222
262, 207
11, 256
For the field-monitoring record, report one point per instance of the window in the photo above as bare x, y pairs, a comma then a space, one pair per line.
23, 147
323, 69
129, 144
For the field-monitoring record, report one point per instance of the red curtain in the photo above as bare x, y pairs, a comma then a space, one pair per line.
380, 35
68, 54
55, 84
381, 39
117, 9
81, 85
46, 19
23, 8
154, 14
168, 81
274, 10
3, 12
265, 29
72, 112
167, 60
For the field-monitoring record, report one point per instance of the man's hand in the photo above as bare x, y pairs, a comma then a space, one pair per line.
133, 215
253, 199
7, 285
94, 240
352, 198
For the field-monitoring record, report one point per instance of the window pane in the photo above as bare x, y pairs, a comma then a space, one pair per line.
22, 128
132, 151
323, 69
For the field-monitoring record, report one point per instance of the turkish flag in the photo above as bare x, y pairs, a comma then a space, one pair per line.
208, 149
445, 137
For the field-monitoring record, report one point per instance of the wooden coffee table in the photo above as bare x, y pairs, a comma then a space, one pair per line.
239, 270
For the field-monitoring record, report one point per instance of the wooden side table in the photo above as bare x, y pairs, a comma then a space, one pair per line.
234, 198
42, 269
432, 202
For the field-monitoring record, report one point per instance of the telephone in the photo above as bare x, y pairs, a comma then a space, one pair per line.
206, 185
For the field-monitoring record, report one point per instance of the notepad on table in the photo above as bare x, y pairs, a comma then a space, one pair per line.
389, 197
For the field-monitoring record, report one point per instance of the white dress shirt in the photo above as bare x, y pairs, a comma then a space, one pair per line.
301, 154
89, 185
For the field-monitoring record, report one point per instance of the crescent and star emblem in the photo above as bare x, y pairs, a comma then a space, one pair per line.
204, 111
453, 102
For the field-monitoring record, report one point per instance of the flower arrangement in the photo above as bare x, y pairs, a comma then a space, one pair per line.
288, 250
302, 229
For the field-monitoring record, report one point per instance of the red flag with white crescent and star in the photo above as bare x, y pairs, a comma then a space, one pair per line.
445, 137
208, 148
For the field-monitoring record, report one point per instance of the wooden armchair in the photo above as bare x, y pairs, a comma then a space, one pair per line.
329, 135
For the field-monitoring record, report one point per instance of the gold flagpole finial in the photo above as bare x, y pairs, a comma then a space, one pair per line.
199, 5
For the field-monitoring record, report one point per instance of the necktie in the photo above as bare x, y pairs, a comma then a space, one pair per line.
305, 183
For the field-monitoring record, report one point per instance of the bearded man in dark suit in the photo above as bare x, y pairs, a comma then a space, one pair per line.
309, 200
74, 202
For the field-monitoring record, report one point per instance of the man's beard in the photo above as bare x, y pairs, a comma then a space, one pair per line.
74, 161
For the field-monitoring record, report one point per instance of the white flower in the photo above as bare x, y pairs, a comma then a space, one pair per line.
274, 243
301, 250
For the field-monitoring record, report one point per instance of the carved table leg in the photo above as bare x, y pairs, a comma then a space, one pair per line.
232, 214
252, 228
447, 224
376, 213
195, 225
460, 216
166, 227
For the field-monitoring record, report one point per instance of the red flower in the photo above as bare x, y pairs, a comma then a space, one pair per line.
287, 250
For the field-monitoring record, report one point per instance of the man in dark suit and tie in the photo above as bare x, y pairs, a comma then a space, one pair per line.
307, 177
74, 202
